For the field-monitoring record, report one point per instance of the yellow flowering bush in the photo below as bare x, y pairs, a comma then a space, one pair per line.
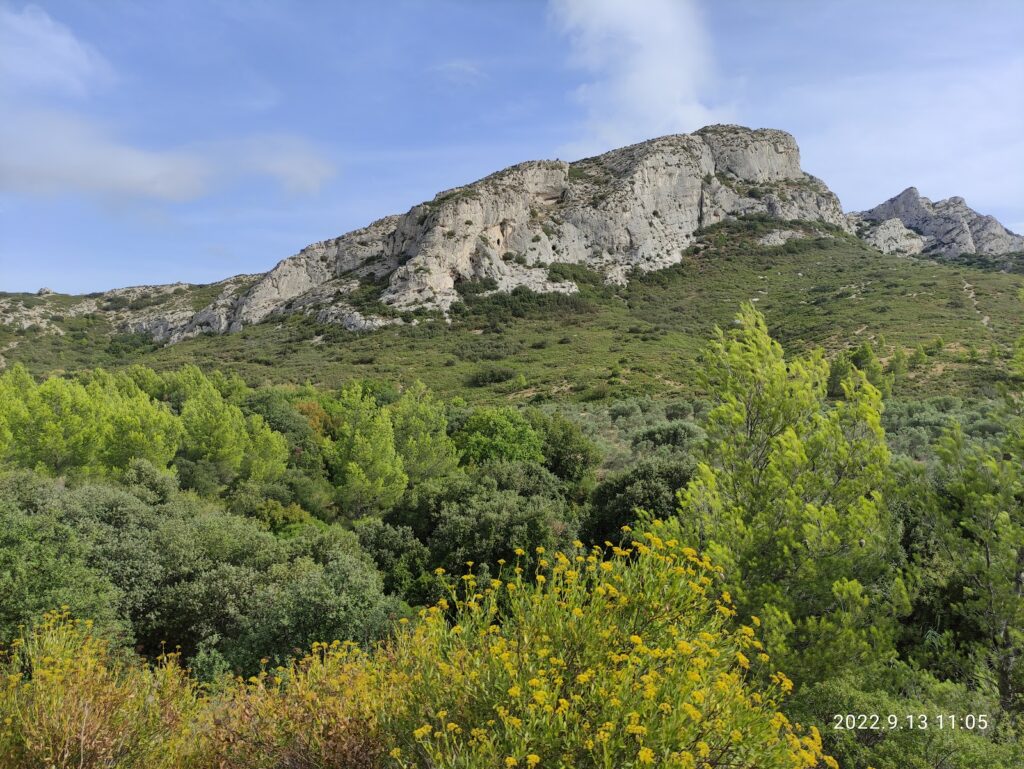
625, 658
619, 659
319, 712
64, 702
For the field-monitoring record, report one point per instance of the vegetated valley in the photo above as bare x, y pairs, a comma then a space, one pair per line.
695, 519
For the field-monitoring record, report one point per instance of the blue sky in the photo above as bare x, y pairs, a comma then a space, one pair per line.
146, 142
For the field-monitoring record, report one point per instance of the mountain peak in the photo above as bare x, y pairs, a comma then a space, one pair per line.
948, 227
635, 208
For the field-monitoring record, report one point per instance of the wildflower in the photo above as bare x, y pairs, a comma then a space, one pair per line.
532, 760
520, 552
395, 753
645, 756
510, 761
422, 732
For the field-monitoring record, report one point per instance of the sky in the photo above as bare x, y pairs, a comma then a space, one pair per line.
151, 142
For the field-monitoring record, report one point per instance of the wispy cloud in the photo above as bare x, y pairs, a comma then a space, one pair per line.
50, 152
299, 166
649, 69
460, 71
54, 145
40, 54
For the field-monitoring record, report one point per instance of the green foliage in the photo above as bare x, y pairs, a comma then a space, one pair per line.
96, 428
983, 534
174, 569
360, 452
491, 434
421, 435
43, 564
997, 747
568, 453
786, 499
620, 499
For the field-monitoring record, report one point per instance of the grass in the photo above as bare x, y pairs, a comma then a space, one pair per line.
608, 342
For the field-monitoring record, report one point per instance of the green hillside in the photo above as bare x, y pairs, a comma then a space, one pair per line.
606, 341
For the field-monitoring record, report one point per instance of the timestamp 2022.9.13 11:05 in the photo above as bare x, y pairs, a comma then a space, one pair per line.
909, 721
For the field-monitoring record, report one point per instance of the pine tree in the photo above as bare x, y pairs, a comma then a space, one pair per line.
421, 435
360, 453
786, 499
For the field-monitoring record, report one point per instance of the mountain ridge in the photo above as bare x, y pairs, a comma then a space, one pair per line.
631, 210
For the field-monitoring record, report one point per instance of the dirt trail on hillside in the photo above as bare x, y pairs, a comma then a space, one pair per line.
969, 290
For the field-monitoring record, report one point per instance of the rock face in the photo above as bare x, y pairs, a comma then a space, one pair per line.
635, 208
888, 236
947, 228
632, 209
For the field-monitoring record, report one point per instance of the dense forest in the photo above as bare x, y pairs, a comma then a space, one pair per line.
196, 572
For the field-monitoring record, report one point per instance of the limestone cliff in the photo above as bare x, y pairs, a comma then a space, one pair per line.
947, 227
635, 208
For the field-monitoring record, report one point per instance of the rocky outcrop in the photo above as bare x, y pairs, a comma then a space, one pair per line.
637, 208
780, 237
948, 227
889, 236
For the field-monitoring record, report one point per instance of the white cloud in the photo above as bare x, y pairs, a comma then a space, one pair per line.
38, 54
62, 149
296, 164
460, 72
649, 65
48, 152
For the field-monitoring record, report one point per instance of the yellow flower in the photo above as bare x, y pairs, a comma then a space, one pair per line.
540, 551
742, 659
422, 732
395, 753
645, 756
515, 691
510, 762
520, 551
532, 760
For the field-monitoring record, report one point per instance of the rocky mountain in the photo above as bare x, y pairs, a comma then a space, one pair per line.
913, 224
634, 209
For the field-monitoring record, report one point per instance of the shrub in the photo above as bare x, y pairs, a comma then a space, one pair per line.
68, 703
626, 659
